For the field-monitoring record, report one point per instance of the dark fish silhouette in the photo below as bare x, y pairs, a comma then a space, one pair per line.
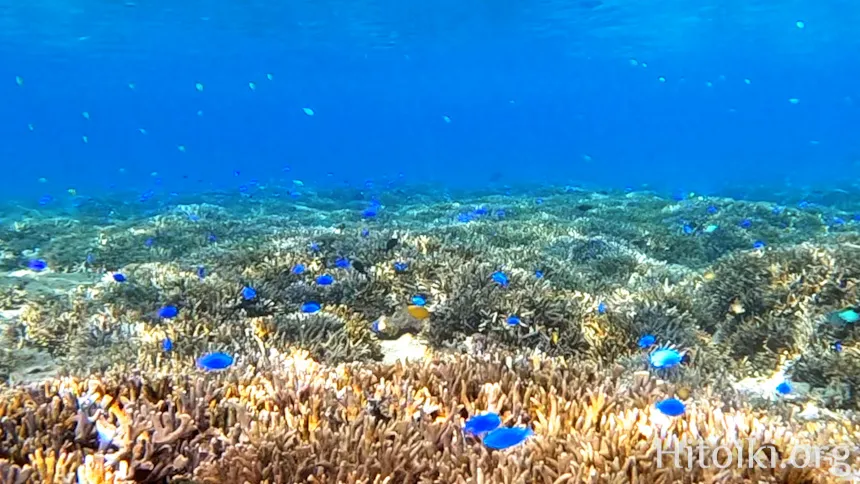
359, 266
392, 242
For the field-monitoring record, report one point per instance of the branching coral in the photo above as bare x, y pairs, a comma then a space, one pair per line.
581, 277
297, 420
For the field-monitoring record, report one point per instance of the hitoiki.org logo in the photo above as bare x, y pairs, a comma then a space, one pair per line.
756, 455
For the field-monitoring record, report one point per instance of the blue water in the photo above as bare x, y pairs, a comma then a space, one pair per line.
537, 92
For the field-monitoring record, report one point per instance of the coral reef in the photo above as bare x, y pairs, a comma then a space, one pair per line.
298, 420
534, 310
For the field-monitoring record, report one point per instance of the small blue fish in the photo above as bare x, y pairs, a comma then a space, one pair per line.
401, 267
507, 437
90, 258
249, 293
688, 229
514, 320
758, 244
311, 307
671, 407
168, 312
149, 242
464, 218
341, 262
538, 274
500, 213
119, 277
298, 269
375, 326
481, 424
480, 211
314, 247
783, 388
601, 308
167, 345
500, 278
370, 212
365, 232
37, 265
215, 361
803, 204
848, 316
212, 238
712, 210
201, 272
419, 300
325, 280
838, 221
837, 346
665, 358
776, 210
745, 223
646, 341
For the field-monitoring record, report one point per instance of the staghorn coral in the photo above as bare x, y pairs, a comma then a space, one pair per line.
133, 412
757, 307
298, 419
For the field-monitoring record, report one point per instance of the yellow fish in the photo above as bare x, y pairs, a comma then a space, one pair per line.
737, 307
418, 312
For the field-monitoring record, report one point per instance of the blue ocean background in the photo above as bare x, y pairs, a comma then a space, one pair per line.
679, 95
